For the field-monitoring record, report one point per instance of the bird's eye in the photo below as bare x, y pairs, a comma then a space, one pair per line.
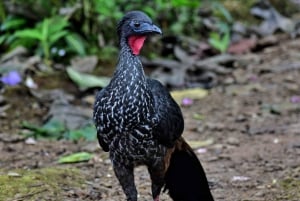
136, 24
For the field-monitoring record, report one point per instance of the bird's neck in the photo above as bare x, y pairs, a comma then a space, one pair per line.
129, 68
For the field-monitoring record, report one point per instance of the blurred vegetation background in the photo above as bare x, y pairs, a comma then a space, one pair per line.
57, 29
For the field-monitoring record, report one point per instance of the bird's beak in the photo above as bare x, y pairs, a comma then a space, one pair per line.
147, 28
156, 29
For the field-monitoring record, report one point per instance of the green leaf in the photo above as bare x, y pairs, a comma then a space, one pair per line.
76, 43
45, 28
105, 7
225, 41
188, 3
12, 23
218, 42
75, 158
86, 133
56, 36
85, 81
223, 11
52, 129
150, 11
57, 24
29, 33
198, 116
14, 42
2, 39
54, 126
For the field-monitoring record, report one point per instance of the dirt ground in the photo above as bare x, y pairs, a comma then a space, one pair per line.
250, 126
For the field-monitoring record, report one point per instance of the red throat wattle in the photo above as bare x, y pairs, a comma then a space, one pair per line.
136, 43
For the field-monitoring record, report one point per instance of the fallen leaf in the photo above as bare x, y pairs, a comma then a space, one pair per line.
198, 116
14, 174
85, 81
197, 144
194, 94
75, 158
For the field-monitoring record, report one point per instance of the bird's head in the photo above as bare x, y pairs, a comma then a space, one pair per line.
134, 27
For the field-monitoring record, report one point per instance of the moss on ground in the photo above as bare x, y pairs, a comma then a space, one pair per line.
290, 188
40, 184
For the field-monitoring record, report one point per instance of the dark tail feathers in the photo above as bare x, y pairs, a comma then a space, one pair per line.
185, 177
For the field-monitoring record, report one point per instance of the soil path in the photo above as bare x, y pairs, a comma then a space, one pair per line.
251, 127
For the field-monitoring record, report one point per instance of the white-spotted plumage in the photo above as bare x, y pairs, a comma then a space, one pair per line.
136, 118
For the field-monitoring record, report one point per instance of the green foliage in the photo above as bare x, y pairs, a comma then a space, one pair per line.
221, 12
174, 15
72, 26
220, 39
188, 3
2, 11
48, 33
86, 133
54, 129
76, 43
61, 29
8, 27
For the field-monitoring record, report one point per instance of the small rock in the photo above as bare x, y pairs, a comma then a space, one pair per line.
30, 83
233, 141
91, 147
259, 194
10, 138
30, 141
241, 118
276, 141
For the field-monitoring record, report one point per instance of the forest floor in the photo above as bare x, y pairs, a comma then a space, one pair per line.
248, 135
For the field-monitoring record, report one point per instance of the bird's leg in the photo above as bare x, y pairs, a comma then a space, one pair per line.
157, 174
126, 179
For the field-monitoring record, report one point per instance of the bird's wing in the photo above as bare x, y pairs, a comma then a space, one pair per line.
98, 122
170, 121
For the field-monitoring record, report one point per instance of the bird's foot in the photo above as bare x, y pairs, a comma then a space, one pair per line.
156, 199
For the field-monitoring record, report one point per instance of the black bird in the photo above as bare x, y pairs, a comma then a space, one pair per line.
139, 123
